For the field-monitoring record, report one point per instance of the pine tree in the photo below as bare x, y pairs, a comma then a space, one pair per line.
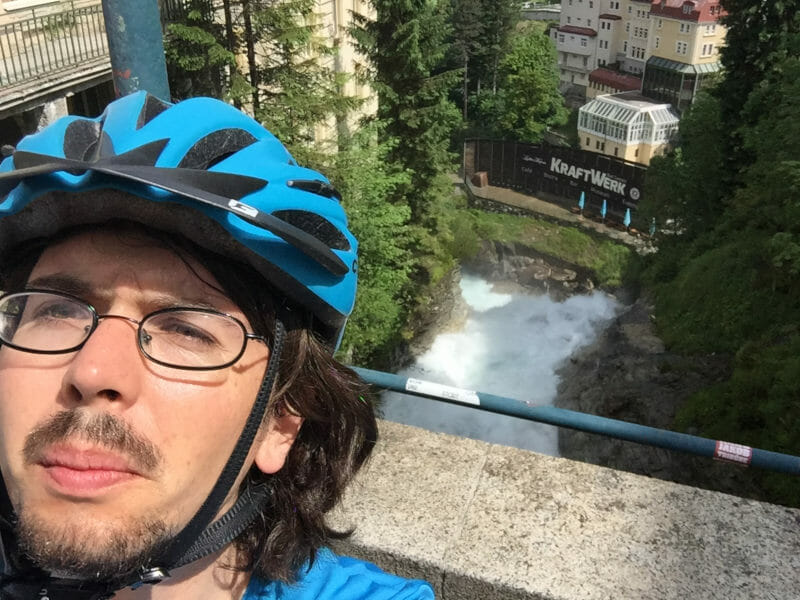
405, 46
467, 20
199, 63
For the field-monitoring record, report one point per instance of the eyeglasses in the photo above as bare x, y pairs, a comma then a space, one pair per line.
197, 339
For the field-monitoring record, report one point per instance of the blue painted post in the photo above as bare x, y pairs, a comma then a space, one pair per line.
136, 47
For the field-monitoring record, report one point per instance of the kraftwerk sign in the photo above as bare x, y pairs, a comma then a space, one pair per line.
563, 172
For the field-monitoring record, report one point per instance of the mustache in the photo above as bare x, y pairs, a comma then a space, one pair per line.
102, 429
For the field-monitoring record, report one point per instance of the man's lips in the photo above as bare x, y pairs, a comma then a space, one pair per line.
85, 471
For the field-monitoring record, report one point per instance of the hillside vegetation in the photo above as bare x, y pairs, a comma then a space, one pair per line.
727, 276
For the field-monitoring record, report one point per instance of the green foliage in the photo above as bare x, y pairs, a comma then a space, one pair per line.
365, 179
527, 102
726, 278
609, 260
405, 46
296, 90
197, 60
758, 404
685, 187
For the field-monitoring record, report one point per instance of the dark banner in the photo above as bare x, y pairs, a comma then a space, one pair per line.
559, 171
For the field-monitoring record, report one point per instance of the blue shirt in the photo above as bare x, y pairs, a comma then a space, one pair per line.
335, 577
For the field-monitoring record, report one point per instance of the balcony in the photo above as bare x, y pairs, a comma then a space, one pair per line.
45, 54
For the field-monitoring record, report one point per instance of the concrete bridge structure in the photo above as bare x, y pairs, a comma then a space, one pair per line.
488, 522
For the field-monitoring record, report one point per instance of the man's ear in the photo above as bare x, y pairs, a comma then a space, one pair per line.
272, 446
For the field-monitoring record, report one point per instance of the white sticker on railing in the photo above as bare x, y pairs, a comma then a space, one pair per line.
443, 391
733, 452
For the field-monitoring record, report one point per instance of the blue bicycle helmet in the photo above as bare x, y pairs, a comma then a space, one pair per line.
200, 168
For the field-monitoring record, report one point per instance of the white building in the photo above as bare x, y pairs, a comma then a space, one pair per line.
627, 126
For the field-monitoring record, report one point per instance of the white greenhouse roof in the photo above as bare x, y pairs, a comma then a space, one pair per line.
627, 106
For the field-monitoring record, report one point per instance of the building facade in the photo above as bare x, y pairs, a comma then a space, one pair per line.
684, 54
627, 126
678, 40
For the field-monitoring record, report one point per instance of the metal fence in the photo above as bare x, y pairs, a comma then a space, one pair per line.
47, 44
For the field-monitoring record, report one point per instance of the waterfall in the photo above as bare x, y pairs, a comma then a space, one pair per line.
509, 345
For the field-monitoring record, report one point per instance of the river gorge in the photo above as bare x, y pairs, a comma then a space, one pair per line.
516, 323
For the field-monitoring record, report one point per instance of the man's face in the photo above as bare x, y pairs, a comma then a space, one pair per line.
104, 452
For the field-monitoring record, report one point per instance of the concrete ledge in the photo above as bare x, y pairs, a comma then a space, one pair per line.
483, 521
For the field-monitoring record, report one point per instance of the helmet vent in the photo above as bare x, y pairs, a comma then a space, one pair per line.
315, 186
84, 140
215, 147
150, 110
315, 225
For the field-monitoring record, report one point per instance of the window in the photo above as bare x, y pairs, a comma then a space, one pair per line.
630, 10
569, 19
627, 27
561, 37
616, 150
625, 46
681, 47
658, 41
710, 29
708, 49
685, 28
588, 22
659, 23
591, 4
687, 8
588, 142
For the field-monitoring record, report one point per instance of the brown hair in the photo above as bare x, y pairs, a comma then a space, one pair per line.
339, 428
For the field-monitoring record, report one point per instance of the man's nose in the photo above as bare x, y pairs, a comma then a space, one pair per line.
109, 365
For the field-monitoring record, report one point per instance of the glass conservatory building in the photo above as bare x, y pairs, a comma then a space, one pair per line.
627, 126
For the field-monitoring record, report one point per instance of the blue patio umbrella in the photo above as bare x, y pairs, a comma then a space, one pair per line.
627, 220
582, 201
603, 210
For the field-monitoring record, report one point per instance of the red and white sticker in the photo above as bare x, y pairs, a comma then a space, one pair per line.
731, 452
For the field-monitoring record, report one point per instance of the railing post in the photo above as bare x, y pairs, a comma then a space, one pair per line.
136, 47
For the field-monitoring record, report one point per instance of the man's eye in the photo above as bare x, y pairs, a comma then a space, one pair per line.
185, 331
59, 310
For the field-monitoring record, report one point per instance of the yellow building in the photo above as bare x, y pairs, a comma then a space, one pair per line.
336, 16
685, 40
627, 126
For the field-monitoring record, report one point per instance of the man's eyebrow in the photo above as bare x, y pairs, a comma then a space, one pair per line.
62, 283
169, 301
84, 290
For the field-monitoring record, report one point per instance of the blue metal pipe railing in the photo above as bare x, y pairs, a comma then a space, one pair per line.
641, 434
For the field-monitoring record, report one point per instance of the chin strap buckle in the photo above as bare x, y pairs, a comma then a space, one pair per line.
151, 576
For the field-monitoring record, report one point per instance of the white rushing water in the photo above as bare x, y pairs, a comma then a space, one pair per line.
510, 345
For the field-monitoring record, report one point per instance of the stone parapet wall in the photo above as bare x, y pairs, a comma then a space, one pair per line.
482, 521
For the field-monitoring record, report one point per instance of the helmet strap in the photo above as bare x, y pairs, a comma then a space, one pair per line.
197, 539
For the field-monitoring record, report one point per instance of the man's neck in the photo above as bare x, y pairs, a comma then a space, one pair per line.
207, 578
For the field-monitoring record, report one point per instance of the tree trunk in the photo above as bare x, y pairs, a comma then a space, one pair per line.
231, 41
466, 93
251, 54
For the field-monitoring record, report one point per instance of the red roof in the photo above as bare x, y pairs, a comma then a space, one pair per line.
699, 11
577, 30
611, 17
619, 81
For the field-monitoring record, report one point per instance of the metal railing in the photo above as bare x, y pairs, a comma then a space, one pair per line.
51, 43
632, 432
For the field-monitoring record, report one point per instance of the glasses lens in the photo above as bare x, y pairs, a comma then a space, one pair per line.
192, 338
44, 322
